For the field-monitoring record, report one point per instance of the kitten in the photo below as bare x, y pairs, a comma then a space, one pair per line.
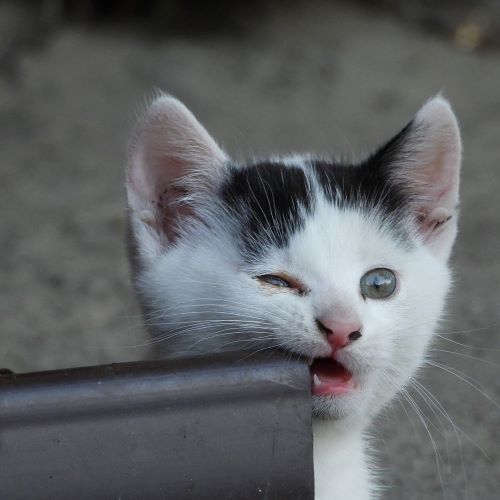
342, 264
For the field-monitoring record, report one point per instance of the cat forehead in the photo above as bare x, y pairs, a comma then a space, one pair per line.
338, 242
277, 200
345, 237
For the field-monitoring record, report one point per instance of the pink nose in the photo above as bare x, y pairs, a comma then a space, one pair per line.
340, 334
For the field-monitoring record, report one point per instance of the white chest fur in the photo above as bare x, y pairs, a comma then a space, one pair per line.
340, 465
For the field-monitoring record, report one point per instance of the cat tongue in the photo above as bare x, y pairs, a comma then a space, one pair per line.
329, 377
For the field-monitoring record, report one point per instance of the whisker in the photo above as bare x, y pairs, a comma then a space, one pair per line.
469, 346
417, 410
482, 329
464, 378
466, 356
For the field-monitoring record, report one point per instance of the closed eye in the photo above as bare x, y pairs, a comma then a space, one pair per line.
283, 281
274, 280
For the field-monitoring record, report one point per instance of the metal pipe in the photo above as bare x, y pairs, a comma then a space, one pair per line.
226, 427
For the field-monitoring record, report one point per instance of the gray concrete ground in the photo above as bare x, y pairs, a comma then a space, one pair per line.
329, 77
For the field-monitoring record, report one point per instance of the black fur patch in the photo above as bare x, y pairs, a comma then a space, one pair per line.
271, 200
359, 186
369, 185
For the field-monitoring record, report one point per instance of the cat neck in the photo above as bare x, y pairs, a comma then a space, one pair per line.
340, 462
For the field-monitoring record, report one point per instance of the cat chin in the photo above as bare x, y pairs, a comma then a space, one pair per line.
339, 407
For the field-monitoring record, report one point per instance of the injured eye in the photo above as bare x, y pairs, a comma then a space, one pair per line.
283, 280
273, 280
378, 284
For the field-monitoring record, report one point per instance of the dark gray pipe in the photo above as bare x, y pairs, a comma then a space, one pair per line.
225, 427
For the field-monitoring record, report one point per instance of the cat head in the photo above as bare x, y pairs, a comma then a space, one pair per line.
344, 265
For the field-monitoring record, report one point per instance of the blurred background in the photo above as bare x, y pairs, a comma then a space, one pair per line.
264, 77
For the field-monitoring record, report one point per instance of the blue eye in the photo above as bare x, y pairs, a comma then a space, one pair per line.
378, 284
273, 280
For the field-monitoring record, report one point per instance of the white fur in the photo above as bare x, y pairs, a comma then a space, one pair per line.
341, 464
201, 296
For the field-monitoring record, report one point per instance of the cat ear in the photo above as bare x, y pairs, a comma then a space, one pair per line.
171, 156
424, 159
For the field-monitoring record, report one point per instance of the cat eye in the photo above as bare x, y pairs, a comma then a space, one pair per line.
378, 284
273, 280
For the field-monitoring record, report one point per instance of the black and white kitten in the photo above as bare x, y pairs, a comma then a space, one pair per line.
342, 264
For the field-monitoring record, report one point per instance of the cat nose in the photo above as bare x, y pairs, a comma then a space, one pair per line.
339, 334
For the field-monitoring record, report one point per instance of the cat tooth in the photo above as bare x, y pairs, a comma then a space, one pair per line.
316, 380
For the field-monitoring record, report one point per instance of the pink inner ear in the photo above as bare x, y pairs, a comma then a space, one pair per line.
432, 172
171, 210
172, 153
442, 177
439, 149
154, 185
444, 191
440, 182
440, 195
437, 193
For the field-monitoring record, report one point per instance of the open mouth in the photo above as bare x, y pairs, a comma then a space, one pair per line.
330, 378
